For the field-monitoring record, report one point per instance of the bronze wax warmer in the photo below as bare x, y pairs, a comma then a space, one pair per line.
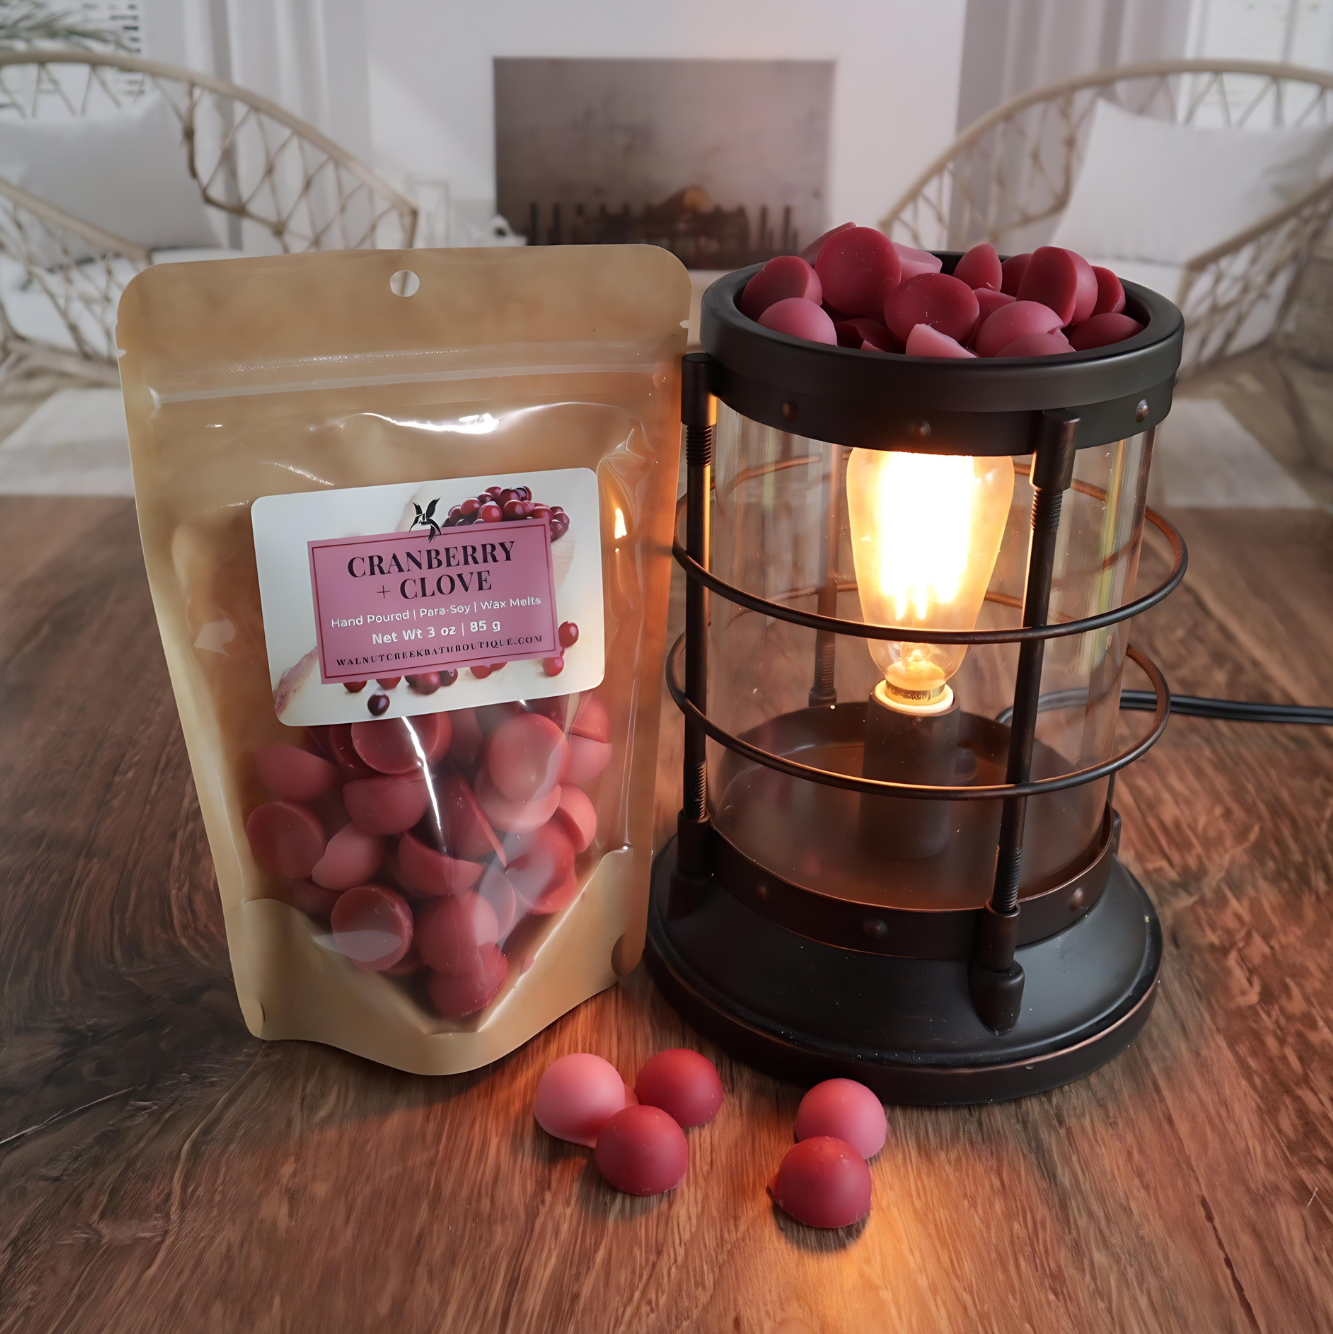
899, 865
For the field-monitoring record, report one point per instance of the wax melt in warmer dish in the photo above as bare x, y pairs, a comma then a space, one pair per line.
408, 559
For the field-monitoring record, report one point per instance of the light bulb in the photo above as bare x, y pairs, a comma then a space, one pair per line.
926, 530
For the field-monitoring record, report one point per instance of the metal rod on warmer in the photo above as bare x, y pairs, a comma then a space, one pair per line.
698, 414
995, 979
826, 643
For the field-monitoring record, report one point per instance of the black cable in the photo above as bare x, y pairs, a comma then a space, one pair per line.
1196, 706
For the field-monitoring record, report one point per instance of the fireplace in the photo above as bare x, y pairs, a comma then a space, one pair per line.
722, 162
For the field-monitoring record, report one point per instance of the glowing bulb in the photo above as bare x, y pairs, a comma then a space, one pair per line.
926, 530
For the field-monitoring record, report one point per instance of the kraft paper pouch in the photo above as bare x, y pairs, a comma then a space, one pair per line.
409, 556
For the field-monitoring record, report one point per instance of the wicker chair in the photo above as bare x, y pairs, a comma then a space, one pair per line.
1007, 178
272, 182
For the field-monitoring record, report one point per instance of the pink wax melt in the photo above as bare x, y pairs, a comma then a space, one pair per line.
912, 261
1011, 322
1036, 345
463, 824
311, 899
515, 817
435, 873
782, 277
286, 838
924, 341
1102, 330
577, 817
1053, 279
351, 858
591, 718
989, 302
845, 1110
338, 739
822, 1182
466, 740
587, 759
399, 745
863, 330
458, 995
683, 1083
539, 865
811, 252
1011, 272
526, 757
858, 268
980, 268
1085, 298
452, 931
642, 1151
293, 774
372, 926
578, 1095
1110, 292
935, 299
386, 805
800, 319
499, 893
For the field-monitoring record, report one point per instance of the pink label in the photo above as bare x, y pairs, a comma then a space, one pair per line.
396, 604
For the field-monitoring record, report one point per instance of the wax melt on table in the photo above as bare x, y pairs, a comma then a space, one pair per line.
577, 1095
845, 1110
822, 1182
683, 1083
642, 1151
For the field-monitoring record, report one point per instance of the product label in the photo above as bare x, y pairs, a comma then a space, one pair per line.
386, 601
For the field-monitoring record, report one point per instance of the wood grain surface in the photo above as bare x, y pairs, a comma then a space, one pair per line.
162, 1170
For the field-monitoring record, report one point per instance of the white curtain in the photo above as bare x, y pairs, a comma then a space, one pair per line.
1013, 46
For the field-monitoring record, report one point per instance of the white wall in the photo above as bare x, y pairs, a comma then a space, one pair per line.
895, 92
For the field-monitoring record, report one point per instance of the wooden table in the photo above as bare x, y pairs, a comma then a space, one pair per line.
162, 1170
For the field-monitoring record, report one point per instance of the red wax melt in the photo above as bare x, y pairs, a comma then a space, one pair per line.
800, 319
1110, 292
577, 817
351, 858
466, 739
980, 268
465, 830
293, 774
499, 893
386, 805
1011, 322
372, 926
845, 1110
430, 872
577, 1096
286, 838
1036, 345
526, 756
587, 759
642, 1151
822, 1182
1011, 272
1052, 278
683, 1083
452, 931
457, 995
399, 745
1102, 330
311, 899
858, 268
782, 277
912, 262
811, 252
1085, 299
339, 741
935, 299
515, 817
924, 341
863, 330
989, 302
539, 864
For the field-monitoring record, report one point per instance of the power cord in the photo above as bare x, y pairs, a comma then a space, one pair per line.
1195, 706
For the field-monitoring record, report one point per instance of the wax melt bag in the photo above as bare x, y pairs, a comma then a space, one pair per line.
406, 518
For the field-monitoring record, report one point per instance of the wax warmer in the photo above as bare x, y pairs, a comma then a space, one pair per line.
908, 588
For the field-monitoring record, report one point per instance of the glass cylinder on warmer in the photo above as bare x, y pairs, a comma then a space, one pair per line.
783, 530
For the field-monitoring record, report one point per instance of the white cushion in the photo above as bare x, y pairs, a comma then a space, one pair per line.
125, 171
1153, 190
